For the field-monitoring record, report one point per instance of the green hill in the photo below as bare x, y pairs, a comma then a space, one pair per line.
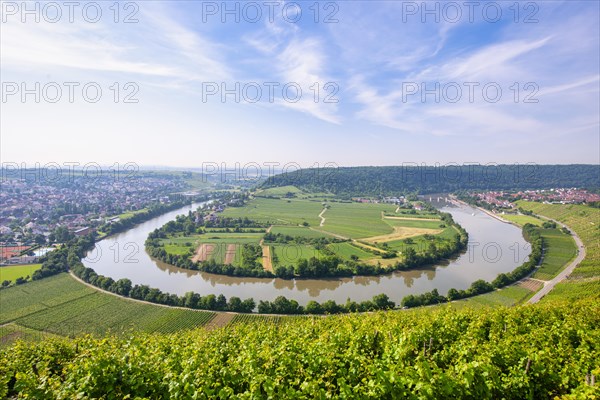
375, 181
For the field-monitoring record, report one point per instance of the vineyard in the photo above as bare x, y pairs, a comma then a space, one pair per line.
476, 348
535, 352
63, 306
585, 221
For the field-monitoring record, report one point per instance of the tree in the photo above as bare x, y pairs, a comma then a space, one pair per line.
312, 307
501, 281
331, 307
382, 302
123, 287
480, 286
453, 294
234, 304
221, 303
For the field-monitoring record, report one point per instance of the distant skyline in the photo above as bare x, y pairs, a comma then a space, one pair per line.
366, 63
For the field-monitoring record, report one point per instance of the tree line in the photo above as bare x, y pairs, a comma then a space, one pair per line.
531, 233
281, 305
379, 181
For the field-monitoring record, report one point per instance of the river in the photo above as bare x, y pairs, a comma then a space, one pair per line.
494, 247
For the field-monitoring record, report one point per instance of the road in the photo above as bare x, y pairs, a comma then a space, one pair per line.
549, 285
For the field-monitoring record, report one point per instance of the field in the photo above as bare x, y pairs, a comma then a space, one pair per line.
559, 250
12, 272
585, 221
505, 297
298, 231
541, 351
279, 191
290, 254
367, 225
559, 247
279, 211
357, 220
415, 223
406, 214
220, 244
63, 306
10, 333
522, 219
346, 250
130, 214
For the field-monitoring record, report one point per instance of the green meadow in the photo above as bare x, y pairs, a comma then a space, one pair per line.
522, 219
12, 272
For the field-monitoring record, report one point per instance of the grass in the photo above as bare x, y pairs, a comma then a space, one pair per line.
420, 244
295, 231
184, 245
559, 249
357, 220
574, 289
289, 254
522, 219
278, 211
342, 219
585, 221
505, 297
130, 214
404, 213
280, 191
416, 224
60, 305
345, 250
12, 272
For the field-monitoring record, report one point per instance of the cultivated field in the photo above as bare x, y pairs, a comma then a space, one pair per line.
278, 211
369, 229
559, 248
61, 305
585, 221
505, 297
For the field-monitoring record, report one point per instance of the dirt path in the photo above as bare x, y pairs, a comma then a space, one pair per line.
220, 320
402, 232
267, 231
203, 252
266, 258
322, 217
549, 285
230, 253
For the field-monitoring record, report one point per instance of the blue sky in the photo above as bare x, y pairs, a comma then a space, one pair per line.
377, 56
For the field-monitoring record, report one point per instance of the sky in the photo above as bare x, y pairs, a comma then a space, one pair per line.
186, 83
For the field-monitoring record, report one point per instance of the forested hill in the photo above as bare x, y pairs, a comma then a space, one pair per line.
402, 179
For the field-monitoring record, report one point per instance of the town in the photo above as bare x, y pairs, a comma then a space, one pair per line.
506, 199
36, 212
